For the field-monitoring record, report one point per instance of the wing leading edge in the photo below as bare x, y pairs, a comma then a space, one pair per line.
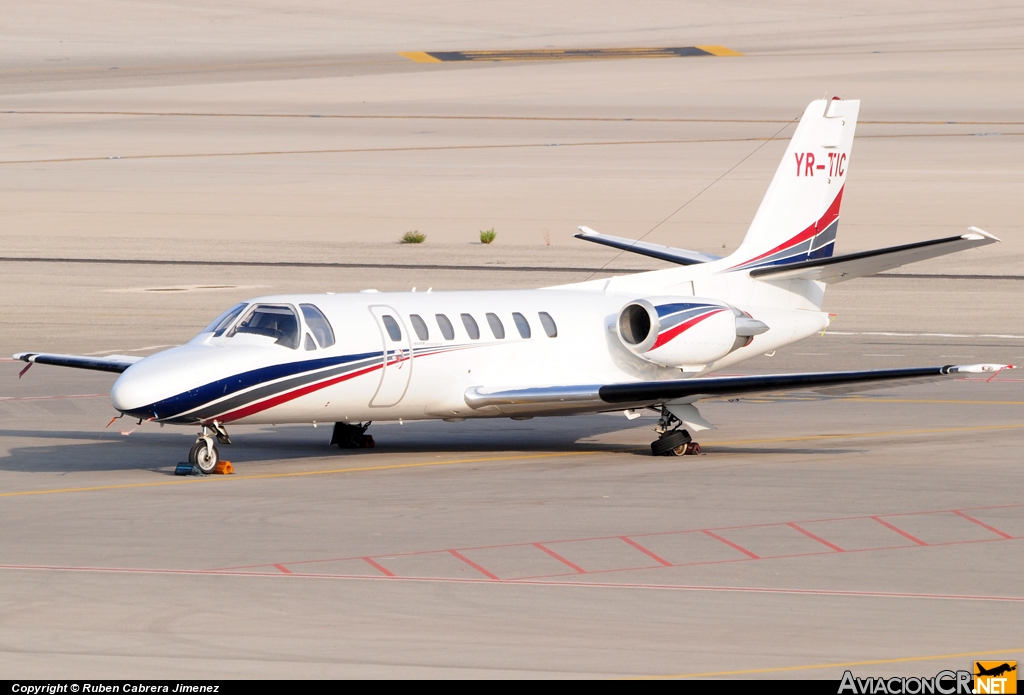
664, 253
588, 398
110, 363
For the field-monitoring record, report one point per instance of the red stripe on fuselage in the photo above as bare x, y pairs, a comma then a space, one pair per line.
254, 408
676, 330
822, 224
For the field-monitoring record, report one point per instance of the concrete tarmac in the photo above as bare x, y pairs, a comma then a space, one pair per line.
147, 182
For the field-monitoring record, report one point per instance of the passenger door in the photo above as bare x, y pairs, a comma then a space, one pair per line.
397, 369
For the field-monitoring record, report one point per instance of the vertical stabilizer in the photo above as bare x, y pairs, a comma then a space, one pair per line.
799, 214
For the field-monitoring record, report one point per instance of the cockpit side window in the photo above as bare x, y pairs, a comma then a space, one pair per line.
221, 323
318, 324
278, 321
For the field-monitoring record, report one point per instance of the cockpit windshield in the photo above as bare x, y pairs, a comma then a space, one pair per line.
222, 322
277, 321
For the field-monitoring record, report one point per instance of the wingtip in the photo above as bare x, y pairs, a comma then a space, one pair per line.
979, 368
586, 231
974, 233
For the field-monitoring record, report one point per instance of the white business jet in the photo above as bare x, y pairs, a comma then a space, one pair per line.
648, 340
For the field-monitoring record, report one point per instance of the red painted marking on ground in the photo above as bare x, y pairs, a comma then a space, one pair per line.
283, 569
747, 559
982, 524
665, 533
379, 567
646, 552
475, 566
898, 530
729, 543
552, 553
578, 584
655, 533
816, 538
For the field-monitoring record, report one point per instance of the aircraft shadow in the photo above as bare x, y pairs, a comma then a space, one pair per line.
161, 450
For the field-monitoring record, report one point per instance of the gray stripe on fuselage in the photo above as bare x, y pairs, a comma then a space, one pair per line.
257, 393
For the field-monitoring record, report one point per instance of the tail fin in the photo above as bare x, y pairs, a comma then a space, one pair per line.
799, 214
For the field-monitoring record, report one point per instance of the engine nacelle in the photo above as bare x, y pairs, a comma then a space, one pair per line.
684, 332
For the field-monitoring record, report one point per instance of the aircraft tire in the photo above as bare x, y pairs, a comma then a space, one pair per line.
202, 459
668, 444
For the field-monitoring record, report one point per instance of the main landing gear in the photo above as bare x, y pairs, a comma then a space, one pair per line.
672, 439
204, 454
348, 436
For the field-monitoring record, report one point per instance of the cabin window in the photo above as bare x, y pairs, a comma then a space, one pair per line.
392, 327
310, 345
221, 323
496, 326
522, 324
470, 323
549, 324
277, 321
446, 326
419, 326
318, 324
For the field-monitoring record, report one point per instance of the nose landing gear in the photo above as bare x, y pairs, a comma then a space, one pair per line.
672, 440
204, 454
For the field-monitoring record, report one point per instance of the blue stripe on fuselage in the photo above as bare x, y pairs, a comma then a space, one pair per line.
194, 398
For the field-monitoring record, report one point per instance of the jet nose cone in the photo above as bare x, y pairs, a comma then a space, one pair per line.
130, 392
144, 386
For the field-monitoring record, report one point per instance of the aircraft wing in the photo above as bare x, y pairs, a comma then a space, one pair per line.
665, 253
855, 265
591, 398
109, 363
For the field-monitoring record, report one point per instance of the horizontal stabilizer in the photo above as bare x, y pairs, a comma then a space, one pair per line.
594, 397
665, 253
855, 265
110, 363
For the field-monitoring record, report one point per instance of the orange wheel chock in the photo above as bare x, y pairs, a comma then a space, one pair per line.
224, 468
